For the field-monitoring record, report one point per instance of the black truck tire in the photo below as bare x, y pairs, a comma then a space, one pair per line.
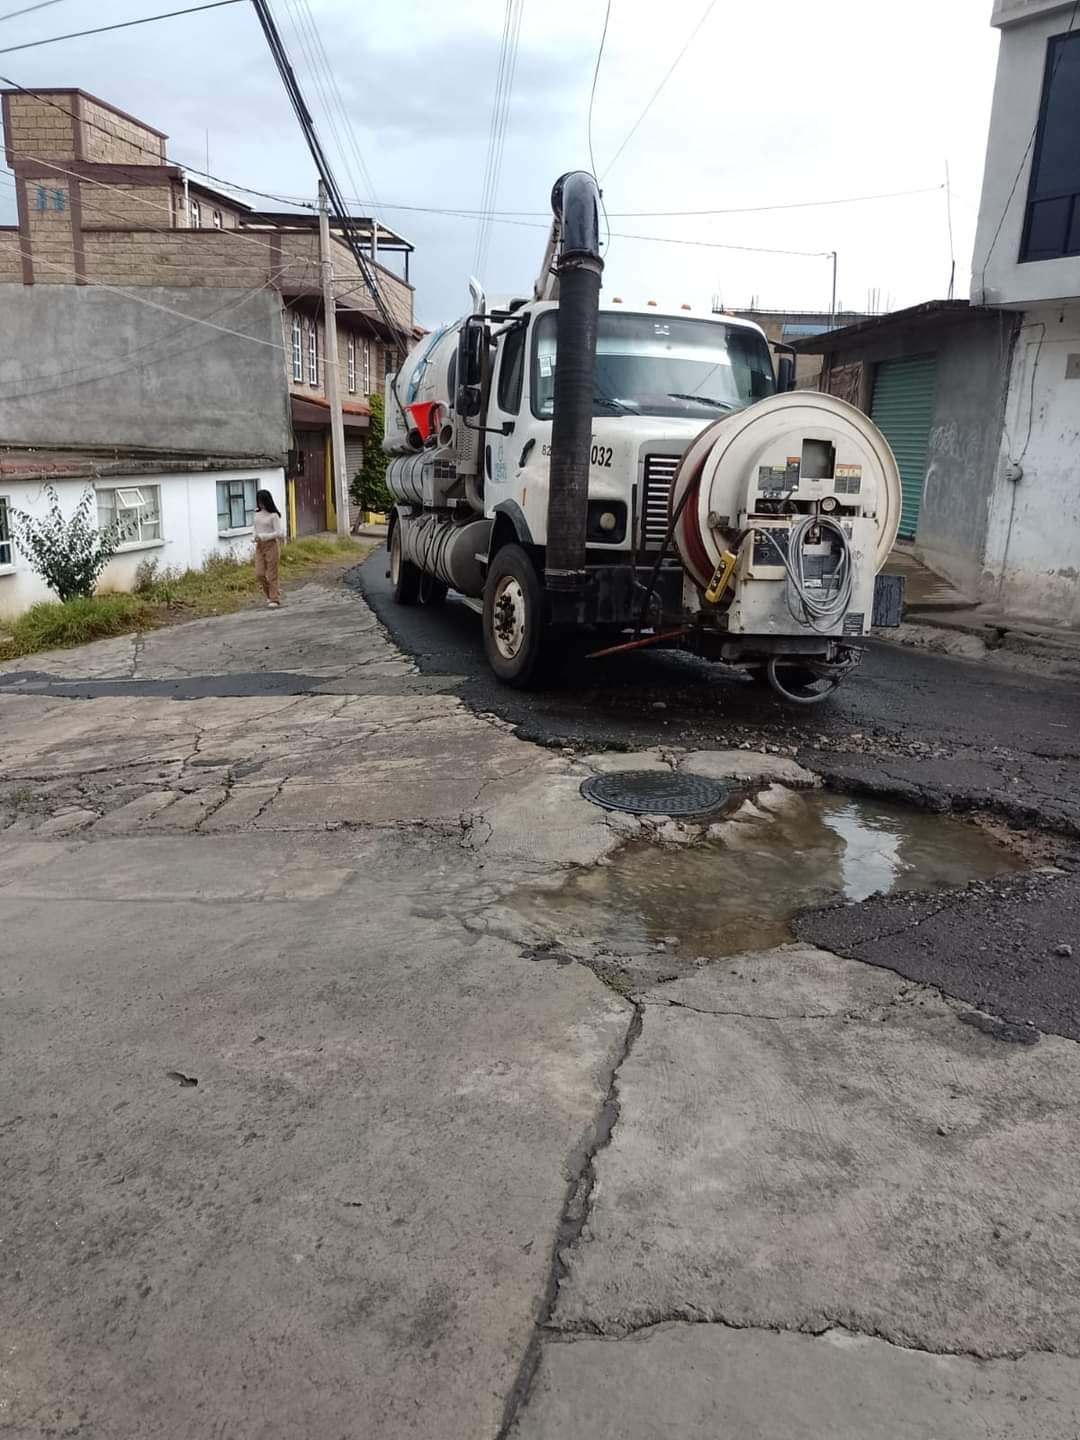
516, 635
405, 577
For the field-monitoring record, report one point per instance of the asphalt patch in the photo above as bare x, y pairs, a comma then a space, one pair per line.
189, 687
998, 945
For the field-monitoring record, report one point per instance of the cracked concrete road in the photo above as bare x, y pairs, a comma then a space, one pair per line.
308, 1130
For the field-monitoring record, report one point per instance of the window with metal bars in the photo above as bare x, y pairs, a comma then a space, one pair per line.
235, 505
313, 353
7, 549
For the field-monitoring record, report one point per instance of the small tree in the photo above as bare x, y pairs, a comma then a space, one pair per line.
68, 554
369, 484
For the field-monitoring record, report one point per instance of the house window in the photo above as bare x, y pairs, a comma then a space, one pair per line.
351, 350
137, 508
7, 550
196, 214
367, 368
297, 349
313, 353
1052, 222
216, 217
235, 505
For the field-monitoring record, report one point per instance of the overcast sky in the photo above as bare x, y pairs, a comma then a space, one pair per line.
776, 102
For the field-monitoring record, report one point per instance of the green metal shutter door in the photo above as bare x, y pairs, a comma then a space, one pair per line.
902, 408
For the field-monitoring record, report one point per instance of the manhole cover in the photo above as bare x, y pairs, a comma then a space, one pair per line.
654, 792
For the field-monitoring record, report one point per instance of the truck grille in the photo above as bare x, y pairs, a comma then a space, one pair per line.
656, 501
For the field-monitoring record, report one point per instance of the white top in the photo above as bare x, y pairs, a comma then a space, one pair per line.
268, 526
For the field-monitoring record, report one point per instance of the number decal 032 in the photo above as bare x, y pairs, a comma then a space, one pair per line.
601, 455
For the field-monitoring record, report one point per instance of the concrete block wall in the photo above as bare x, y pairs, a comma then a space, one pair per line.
136, 206
51, 237
109, 138
10, 258
38, 129
204, 258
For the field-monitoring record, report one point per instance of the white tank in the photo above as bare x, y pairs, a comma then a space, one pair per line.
424, 389
800, 446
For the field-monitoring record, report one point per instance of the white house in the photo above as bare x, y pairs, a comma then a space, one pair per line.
177, 515
1027, 260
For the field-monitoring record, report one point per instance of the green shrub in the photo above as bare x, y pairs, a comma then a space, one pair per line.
368, 488
68, 554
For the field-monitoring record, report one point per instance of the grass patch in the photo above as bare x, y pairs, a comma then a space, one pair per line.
161, 596
50, 625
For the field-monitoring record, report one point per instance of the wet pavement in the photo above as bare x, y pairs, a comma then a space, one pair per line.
742, 890
931, 730
457, 1166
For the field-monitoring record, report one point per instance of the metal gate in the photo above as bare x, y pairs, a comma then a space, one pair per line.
902, 407
311, 483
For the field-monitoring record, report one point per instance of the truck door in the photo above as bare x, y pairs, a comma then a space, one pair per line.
504, 403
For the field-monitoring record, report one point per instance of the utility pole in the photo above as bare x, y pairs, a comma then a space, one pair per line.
832, 307
333, 377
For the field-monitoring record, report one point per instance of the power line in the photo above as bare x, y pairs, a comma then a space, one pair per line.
350, 132
671, 70
497, 128
96, 370
119, 25
592, 92
41, 5
153, 304
326, 175
659, 214
588, 123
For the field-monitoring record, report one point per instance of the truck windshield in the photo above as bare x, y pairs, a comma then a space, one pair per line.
661, 365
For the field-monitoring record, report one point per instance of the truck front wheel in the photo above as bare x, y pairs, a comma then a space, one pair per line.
515, 631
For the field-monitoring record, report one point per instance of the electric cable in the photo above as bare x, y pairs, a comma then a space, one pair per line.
820, 611
588, 124
117, 25
464, 210
500, 142
73, 376
671, 70
41, 5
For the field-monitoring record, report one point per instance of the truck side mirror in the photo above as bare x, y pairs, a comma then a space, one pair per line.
472, 342
785, 367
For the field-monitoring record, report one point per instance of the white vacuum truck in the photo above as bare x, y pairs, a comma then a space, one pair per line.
634, 476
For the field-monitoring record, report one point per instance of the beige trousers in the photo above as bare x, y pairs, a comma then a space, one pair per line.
266, 568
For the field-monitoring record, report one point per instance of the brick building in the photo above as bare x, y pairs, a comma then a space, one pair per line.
144, 313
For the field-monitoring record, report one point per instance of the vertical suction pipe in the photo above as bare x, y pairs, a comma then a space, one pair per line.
575, 201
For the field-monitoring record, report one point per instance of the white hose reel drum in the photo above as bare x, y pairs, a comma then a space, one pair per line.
804, 445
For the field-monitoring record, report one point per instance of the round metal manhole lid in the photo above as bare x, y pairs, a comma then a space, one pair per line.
654, 792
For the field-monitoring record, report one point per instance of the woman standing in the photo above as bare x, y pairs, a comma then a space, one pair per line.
269, 533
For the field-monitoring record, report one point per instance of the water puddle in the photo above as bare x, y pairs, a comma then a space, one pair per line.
741, 893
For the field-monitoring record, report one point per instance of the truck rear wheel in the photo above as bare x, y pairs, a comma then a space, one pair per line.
515, 623
405, 577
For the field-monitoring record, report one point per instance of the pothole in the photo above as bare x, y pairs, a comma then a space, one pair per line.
740, 892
